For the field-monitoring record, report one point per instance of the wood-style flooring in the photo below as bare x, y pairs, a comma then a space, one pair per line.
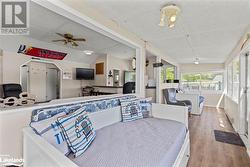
205, 150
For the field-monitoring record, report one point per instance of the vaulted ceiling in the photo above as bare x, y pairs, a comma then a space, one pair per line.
207, 29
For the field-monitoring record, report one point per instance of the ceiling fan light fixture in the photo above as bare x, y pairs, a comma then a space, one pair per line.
169, 14
173, 18
88, 52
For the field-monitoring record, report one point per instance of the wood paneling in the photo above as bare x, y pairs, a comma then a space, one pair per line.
205, 150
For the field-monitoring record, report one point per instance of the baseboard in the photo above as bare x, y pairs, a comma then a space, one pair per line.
247, 144
213, 106
248, 152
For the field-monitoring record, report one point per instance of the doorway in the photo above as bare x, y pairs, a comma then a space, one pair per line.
41, 79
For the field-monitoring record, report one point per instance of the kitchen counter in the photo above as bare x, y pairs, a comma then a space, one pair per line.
108, 86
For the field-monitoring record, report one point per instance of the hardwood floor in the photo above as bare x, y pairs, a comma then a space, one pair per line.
205, 150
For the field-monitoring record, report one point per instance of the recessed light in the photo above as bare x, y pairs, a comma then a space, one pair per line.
196, 61
88, 52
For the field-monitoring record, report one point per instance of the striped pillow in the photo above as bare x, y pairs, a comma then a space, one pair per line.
130, 110
78, 131
146, 106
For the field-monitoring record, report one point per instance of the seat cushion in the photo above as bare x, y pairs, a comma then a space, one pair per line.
148, 142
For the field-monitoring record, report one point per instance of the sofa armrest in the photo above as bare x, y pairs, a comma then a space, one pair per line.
38, 152
171, 112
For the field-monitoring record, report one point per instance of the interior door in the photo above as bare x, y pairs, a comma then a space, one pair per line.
37, 80
51, 84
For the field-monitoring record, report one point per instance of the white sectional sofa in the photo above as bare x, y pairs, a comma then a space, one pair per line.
39, 152
196, 99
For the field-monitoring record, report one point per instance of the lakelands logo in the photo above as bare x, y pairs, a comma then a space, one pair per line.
6, 160
14, 17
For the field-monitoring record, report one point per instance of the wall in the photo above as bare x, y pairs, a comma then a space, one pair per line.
12, 62
150, 69
118, 64
212, 99
1, 67
1, 72
111, 63
234, 110
202, 67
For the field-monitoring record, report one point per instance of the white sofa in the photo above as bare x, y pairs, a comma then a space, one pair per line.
194, 97
38, 152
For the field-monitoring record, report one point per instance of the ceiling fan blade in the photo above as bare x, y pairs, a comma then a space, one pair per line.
59, 40
74, 43
79, 39
62, 35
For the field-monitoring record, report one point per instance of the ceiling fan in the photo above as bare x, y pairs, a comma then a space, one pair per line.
68, 38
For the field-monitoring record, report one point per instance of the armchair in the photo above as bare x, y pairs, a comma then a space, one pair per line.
170, 97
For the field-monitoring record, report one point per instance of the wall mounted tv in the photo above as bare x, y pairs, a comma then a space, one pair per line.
84, 74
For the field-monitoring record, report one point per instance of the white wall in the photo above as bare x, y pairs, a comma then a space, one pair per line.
202, 67
150, 69
111, 63
12, 62
1, 72
1, 67
114, 63
234, 109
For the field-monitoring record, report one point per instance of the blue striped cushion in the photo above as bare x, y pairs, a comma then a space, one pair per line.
145, 106
92, 106
78, 130
130, 110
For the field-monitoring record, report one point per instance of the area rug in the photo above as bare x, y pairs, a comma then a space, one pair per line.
228, 137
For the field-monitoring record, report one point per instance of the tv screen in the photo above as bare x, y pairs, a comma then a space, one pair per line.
84, 73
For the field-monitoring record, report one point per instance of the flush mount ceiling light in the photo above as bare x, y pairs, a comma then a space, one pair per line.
88, 52
169, 14
196, 61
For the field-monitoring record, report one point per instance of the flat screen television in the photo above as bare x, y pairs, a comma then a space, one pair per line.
84, 74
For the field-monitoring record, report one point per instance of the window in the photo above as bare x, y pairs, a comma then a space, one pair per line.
233, 83
230, 80
210, 81
168, 72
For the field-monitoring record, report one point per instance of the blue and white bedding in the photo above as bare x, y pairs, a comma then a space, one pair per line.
43, 120
145, 142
